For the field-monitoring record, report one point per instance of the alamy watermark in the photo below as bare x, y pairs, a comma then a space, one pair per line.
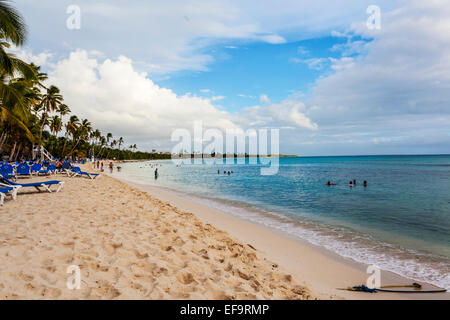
73, 22
374, 19
235, 146
374, 280
74, 280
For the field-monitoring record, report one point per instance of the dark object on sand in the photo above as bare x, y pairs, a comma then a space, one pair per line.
416, 286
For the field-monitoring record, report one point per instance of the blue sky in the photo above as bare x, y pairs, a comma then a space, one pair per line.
313, 69
242, 72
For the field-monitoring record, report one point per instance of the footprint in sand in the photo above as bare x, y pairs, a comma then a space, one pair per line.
186, 278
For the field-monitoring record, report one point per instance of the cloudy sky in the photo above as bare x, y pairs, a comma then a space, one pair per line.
141, 69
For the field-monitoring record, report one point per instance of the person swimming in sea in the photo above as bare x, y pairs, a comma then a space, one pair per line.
365, 183
350, 184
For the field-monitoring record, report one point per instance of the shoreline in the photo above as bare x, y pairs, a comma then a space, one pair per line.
322, 272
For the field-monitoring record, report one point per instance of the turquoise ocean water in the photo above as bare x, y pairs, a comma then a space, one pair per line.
400, 221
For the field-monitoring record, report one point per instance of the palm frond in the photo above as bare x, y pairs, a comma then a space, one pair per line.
12, 25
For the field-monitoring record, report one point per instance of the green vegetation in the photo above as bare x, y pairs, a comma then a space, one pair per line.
32, 114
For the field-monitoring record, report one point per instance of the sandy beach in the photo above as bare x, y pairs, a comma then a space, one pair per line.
128, 245
134, 241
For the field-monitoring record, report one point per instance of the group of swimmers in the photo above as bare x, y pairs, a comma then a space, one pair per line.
99, 166
225, 172
350, 184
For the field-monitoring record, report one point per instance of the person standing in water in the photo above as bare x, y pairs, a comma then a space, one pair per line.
365, 183
156, 173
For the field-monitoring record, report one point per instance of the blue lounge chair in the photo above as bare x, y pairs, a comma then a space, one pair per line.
5, 190
23, 170
7, 171
44, 184
37, 168
66, 168
77, 171
51, 168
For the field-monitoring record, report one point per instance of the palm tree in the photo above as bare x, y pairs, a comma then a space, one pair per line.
12, 26
120, 142
12, 112
102, 144
63, 110
95, 137
112, 145
108, 137
82, 133
14, 106
55, 125
12, 30
71, 128
50, 102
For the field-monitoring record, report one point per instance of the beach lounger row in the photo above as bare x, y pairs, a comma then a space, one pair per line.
26, 170
7, 172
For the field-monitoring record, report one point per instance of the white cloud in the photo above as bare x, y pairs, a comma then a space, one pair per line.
405, 70
168, 36
393, 96
290, 111
272, 38
245, 96
264, 98
205, 90
42, 59
118, 99
313, 63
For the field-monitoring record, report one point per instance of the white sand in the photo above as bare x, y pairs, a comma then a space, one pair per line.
128, 245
